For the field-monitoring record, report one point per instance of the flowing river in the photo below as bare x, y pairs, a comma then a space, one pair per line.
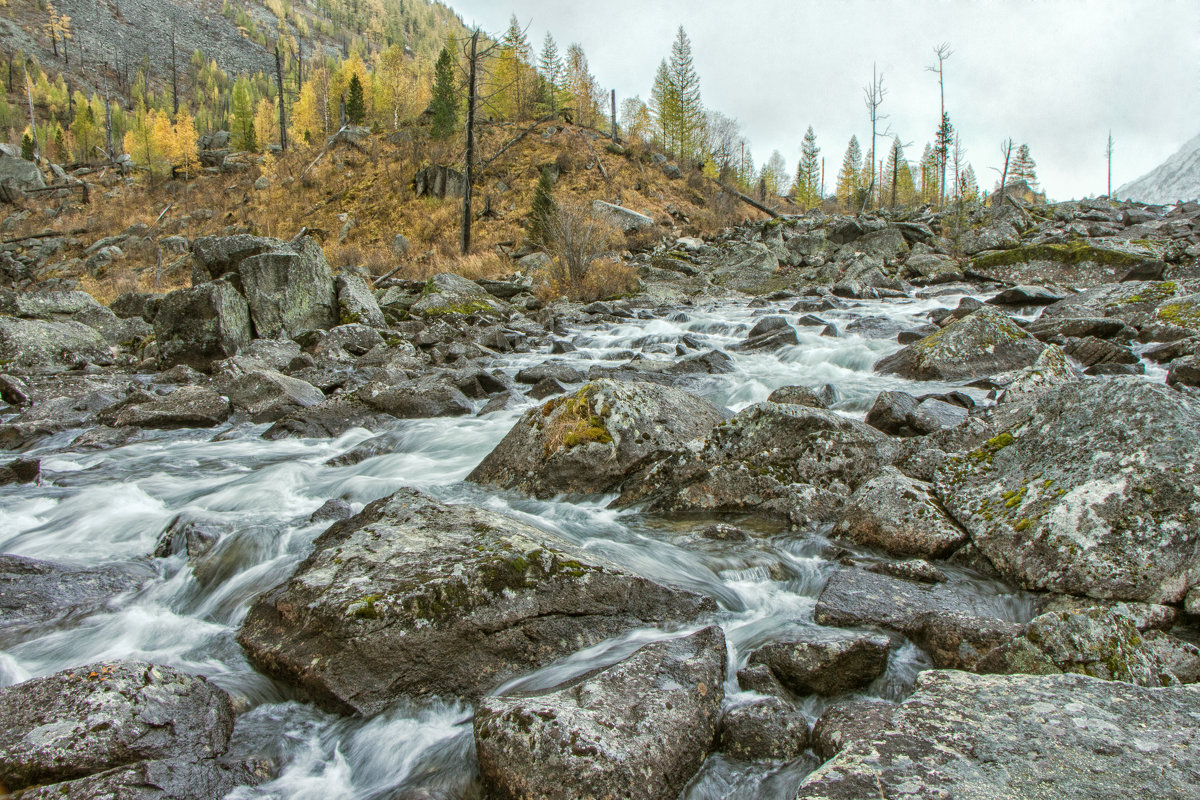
111, 506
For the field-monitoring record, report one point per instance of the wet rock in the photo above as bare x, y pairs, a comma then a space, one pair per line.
929, 269
1091, 351
786, 460
911, 569
763, 729
266, 395
546, 387
502, 402
328, 419
1184, 372
824, 661
1115, 369
1145, 616
201, 325
37, 594
958, 736
38, 347
899, 515
890, 411
797, 395
759, 678
713, 362
427, 396
769, 333
1026, 296
186, 407
980, 344
557, 370
1102, 643
96, 717
334, 510
852, 598
1050, 328
1089, 489
748, 267
21, 470
932, 415
957, 640
849, 721
639, 729
595, 439
14, 391
356, 303
165, 779
412, 598
290, 290
722, 532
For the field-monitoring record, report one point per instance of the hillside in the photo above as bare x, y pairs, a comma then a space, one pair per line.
1177, 178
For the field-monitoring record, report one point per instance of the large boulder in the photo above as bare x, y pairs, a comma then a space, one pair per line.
447, 293
414, 598
290, 291
36, 594
749, 267
824, 661
895, 513
266, 395
215, 256
786, 460
625, 219
356, 303
163, 779
186, 407
34, 347
1091, 489
96, 717
200, 325
427, 396
1060, 737
983, 343
20, 173
78, 307
594, 439
639, 729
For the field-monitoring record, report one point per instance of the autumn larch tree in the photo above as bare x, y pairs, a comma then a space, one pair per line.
243, 116
897, 176
850, 177
677, 92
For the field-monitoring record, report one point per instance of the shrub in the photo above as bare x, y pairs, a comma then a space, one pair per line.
577, 238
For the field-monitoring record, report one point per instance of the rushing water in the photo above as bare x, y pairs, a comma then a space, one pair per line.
96, 507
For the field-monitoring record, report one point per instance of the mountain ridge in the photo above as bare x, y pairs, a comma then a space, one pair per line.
1174, 180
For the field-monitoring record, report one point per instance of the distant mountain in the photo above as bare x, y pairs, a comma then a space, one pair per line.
1177, 178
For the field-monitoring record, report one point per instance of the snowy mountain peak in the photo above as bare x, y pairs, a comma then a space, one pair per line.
1177, 178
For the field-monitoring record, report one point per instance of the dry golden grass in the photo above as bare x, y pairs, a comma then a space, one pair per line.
374, 189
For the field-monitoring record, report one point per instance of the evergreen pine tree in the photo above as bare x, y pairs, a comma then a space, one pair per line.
550, 71
897, 177
930, 183
356, 106
685, 83
27, 147
444, 103
664, 104
243, 117
941, 149
969, 184
543, 210
1024, 168
807, 189
850, 177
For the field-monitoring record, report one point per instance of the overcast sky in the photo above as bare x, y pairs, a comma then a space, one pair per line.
1055, 74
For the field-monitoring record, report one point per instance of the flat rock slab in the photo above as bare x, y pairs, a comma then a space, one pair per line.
164, 779
100, 716
1061, 737
640, 729
983, 343
415, 598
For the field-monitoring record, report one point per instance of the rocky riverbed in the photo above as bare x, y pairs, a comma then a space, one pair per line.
833, 507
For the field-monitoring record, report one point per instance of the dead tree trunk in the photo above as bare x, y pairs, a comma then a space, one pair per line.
747, 200
282, 119
465, 245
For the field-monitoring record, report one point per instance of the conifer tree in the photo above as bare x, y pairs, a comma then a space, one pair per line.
550, 68
543, 210
444, 102
969, 184
581, 84
186, 153
664, 105
807, 185
356, 104
27, 146
941, 149
930, 175
685, 85
243, 116
899, 189
1024, 167
850, 177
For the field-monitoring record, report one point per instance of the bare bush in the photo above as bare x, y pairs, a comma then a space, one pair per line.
577, 238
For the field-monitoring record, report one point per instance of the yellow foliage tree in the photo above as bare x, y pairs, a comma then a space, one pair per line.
340, 85
140, 142
266, 123
186, 151
308, 126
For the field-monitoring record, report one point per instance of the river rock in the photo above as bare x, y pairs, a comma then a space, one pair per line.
78, 307
593, 440
37, 347
767, 728
186, 407
785, 460
356, 303
797, 395
824, 661
446, 293
1102, 643
959, 735
266, 395
1051, 369
639, 729
1184, 372
164, 779
958, 640
36, 594
328, 419
556, 370
290, 290
928, 269
748, 267
1058, 328
847, 721
412, 598
201, 325
424, 397
853, 598
901, 516
983, 343
96, 717
1091, 489
1026, 296
769, 333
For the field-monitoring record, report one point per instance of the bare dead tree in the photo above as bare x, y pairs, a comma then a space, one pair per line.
1108, 151
282, 118
1006, 149
873, 95
174, 71
943, 53
465, 244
